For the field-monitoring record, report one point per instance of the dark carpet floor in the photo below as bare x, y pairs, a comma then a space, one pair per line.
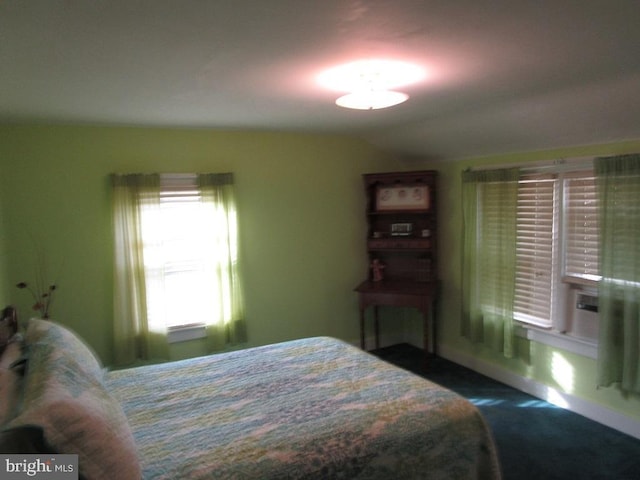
535, 439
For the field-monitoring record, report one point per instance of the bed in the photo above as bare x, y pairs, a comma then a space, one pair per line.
310, 408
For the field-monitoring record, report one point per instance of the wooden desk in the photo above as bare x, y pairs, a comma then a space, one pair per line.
420, 295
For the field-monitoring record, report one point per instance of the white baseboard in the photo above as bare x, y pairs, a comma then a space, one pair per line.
578, 405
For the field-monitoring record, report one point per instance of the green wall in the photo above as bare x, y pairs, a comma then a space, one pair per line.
301, 224
4, 287
549, 366
302, 231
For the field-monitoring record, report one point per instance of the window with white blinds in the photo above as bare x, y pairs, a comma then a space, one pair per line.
183, 255
536, 249
557, 244
557, 240
581, 228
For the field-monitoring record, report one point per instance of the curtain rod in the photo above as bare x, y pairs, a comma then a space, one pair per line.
556, 165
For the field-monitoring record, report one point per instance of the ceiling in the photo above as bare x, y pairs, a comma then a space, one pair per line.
502, 76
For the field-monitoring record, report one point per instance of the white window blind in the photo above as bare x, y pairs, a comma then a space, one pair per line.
581, 224
535, 278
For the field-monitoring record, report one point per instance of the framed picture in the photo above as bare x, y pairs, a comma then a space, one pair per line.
406, 197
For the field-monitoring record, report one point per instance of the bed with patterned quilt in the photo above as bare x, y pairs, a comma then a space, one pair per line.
315, 408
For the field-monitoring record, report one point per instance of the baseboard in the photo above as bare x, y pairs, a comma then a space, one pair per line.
588, 409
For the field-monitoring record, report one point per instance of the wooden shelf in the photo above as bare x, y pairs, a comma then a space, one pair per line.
408, 262
398, 212
399, 243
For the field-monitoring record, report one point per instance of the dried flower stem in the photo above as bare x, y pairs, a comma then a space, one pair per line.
41, 292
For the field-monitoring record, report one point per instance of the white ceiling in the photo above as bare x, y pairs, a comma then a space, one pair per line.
503, 75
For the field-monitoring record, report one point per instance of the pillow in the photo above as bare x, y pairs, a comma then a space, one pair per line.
76, 414
10, 378
67, 342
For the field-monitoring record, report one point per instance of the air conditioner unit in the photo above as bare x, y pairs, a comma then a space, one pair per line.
582, 315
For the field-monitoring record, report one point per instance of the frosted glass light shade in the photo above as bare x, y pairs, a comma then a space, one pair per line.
371, 99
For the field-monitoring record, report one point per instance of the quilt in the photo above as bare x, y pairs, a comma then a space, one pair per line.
304, 409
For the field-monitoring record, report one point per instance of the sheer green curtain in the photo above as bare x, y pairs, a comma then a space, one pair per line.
227, 322
134, 338
618, 183
489, 202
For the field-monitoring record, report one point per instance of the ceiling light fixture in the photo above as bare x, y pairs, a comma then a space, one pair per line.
372, 99
371, 82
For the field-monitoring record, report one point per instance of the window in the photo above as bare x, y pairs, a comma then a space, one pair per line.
186, 243
536, 250
557, 248
175, 263
563, 268
550, 280
581, 229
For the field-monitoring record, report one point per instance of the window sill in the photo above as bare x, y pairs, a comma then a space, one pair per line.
186, 333
581, 346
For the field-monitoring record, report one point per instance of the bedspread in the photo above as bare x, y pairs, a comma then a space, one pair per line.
312, 408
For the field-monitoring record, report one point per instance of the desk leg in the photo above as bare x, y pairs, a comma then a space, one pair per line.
376, 326
425, 338
434, 326
429, 329
362, 328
